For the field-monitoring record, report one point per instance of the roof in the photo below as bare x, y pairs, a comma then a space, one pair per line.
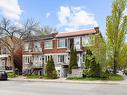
76, 33
62, 34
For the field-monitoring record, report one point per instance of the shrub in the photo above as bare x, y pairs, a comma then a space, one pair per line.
11, 75
92, 69
105, 75
73, 60
50, 69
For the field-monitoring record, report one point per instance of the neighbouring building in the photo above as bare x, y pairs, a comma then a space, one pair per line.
40, 48
5, 59
5, 56
33, 55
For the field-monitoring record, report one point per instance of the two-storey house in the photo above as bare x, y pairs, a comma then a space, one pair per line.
59, 47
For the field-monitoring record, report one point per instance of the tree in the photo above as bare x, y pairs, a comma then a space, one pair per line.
47, 30
11, 36
116, 28
92, 69
50, 69
123, 57
98, 49
73, 60
75, 65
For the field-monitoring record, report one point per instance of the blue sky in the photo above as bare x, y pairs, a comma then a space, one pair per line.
65, 15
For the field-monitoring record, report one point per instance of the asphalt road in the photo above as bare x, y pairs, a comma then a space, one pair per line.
48, 88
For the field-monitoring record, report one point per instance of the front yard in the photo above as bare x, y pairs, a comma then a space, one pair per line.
111, 77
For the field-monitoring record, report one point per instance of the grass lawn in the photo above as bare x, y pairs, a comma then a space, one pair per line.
33, 76
111, 77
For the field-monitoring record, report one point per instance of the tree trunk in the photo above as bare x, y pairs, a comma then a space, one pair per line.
115, 63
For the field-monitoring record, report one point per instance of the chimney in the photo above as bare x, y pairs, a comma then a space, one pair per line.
97, 29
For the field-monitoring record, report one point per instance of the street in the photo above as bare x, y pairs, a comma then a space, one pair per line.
51, 88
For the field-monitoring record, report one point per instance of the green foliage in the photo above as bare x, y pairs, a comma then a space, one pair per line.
92, 69
116, 28
115, 77
73, 60
47, 30
99, 50
75, 65
111, 77
123, 57
50, 69
33, 76
105, 75
11, 75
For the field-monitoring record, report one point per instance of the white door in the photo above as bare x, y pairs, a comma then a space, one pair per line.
77, 42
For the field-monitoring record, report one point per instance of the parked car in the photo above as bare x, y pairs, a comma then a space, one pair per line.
3, 75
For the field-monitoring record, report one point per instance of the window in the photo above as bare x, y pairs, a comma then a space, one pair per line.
48, 44
62, 43
77, 42
46, 59
84, 57
85, 41
30, 46
37, 45
27, 59
26, 45
4, 51
60, 58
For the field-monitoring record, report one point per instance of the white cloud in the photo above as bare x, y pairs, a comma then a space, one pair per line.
71, 17
10, 9
63, 14
48, 14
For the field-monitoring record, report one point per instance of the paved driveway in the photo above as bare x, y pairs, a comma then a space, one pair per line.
50, 88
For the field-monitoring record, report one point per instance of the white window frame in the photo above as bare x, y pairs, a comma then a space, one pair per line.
85, 38
77, 42
45, 44
65, 43
59, 61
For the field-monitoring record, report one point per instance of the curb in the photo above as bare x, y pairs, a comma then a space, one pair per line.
68, 81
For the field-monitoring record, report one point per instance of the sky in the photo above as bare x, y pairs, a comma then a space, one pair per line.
64, 15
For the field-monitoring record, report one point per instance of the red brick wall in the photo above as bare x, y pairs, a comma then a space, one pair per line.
54, 49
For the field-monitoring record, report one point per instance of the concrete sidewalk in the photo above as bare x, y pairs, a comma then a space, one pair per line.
63, 80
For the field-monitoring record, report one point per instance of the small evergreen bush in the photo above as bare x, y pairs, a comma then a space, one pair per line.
50, 69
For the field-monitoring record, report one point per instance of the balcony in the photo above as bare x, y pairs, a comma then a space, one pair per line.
4, 55
33, 50
37, 49
38, 65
